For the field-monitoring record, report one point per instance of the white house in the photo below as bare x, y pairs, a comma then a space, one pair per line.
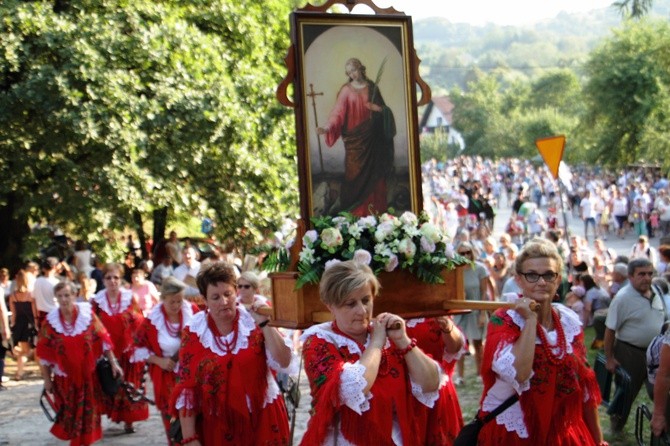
438, 115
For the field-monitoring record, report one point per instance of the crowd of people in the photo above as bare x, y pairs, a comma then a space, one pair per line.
198, 325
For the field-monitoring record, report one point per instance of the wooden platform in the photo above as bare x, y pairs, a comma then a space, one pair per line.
402, 293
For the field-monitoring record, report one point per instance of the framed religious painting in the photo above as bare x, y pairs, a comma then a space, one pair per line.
355, 92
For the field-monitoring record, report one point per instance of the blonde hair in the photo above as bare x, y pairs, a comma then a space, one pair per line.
537, 248
342, 279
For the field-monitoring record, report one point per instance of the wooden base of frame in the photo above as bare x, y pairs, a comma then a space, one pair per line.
402, 293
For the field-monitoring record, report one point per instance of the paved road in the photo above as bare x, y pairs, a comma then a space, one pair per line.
23, 423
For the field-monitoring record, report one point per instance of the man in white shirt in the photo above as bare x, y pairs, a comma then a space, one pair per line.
43, 290
588, 213
188, 271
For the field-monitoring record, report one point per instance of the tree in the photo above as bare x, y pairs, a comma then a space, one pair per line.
634, 9
627, 93
111, 111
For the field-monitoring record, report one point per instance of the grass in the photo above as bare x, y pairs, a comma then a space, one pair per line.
469, 395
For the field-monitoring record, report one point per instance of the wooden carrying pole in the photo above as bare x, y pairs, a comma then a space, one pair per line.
482, 305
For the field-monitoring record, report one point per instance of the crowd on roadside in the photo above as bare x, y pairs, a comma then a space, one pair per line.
464, 195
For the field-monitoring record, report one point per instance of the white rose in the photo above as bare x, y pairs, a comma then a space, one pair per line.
392, 263
331, 237
407, 248
431, 232
384, 230
427, 245
362, 256
409, 219
386, 217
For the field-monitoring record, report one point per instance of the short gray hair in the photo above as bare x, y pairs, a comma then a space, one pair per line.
252, 278
171, 286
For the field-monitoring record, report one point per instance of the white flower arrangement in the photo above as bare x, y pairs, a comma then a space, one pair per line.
383, 242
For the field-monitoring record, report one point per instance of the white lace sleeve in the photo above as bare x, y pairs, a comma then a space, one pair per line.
428, 398
503, 366
183, 402
352, 383
140, 355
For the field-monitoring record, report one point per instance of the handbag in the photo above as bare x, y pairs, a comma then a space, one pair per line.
174, 432
470, 432
108, 383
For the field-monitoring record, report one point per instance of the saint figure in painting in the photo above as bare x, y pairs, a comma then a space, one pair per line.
367, 128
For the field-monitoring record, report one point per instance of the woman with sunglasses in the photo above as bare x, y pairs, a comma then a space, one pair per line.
121, 315
539, 355
248, 287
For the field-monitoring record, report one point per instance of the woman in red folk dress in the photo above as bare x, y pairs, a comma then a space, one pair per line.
540, 355
121, 315
158, 341
226, 393
443, 341
369, 383
71, 341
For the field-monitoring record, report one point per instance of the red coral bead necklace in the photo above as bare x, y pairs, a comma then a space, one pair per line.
174, 332
219, 339
68, 327
561, 343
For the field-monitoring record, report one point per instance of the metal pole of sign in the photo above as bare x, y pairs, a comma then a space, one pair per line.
561, 190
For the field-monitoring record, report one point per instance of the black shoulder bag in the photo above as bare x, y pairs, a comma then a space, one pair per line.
469, 433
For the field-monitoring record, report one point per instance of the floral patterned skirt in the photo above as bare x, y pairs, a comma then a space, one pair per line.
79, 411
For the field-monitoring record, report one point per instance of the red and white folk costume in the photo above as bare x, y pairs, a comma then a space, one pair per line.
228, 383
71, 351
158, 336
551, 401
122, 320
445, 419
394, 412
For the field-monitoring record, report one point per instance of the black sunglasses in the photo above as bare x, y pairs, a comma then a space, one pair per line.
246, 287
549, 276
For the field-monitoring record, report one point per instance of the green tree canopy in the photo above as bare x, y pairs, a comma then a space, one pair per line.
627, 94
111, 109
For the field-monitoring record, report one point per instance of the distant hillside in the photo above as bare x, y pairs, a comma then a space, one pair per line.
451, 53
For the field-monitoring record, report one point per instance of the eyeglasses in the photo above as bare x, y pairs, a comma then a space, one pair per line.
549, 276
246, 287
465, 253
112, 277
